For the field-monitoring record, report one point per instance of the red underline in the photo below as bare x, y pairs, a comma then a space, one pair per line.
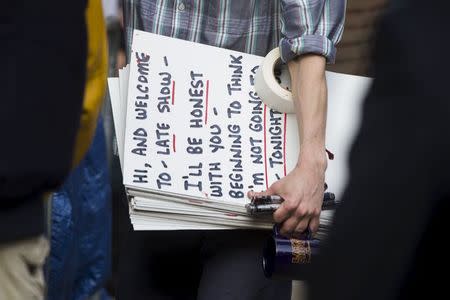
206, 104
195, 201
284, 143
173, 143
173, 92
265, 148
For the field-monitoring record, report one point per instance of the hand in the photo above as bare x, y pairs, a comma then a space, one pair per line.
302, 190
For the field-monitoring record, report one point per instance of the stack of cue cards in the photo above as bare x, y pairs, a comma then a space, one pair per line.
193, 137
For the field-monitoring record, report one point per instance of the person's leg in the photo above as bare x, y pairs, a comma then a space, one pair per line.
21, 269
159, 265
232, 268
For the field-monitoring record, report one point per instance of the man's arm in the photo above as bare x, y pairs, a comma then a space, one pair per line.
303, 187
310, 30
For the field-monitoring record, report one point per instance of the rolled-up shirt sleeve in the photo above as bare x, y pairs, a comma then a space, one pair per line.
311, 26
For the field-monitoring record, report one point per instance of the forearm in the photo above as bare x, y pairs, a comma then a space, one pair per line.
310, 98
302, 189
311, 30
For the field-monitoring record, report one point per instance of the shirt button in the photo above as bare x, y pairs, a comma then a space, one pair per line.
181, 6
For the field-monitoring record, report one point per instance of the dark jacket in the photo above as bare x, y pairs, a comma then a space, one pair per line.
389, 235
43, 50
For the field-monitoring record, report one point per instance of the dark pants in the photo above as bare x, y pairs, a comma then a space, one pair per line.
388, 235
209, 265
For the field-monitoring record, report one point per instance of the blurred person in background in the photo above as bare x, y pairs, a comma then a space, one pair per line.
42, 84
355, 56
388, 236
80, 258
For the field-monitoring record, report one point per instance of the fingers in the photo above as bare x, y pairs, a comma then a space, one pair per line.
292, 217
297, 222
270, 191
295, 215
294, 227
287, 228
286, 209
314, 224
302, 226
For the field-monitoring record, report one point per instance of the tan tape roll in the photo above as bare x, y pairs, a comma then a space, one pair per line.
274, 93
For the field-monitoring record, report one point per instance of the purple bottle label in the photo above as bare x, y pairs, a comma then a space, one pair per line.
301, 251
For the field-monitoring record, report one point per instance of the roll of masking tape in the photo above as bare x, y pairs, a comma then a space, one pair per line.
273, 83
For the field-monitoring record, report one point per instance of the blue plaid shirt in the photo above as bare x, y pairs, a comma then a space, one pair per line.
252, 26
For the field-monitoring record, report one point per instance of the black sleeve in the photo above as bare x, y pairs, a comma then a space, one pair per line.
398, 167
43, 51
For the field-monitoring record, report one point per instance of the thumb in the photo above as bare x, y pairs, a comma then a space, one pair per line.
270, 191
274, 189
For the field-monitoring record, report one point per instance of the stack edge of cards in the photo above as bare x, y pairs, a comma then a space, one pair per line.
193, 136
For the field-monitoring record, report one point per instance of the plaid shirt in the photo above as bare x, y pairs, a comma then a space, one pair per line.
252, 26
